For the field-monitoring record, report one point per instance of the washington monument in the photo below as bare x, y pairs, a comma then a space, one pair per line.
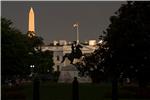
31, 27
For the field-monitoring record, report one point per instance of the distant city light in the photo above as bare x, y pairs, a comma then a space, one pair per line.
92, 42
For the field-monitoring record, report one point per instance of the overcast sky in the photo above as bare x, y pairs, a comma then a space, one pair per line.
54, 20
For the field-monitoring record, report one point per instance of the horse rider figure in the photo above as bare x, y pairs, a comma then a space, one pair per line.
73, 47
75, 53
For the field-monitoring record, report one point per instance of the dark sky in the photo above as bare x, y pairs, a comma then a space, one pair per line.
54, 20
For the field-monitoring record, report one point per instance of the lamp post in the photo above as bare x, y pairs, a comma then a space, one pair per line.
76, 25
36, 82
32, 69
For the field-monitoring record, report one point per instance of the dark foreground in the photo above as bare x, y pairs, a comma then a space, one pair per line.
55, 91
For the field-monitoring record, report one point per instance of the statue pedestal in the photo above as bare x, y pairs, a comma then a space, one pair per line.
68, 73
77, 60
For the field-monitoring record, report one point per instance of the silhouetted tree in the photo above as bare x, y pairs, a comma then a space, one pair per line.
128, 38
127, 48
45, 61
93, 65
14, 50
128, 41
19, 52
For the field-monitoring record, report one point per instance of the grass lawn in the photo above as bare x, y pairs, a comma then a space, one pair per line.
57, 91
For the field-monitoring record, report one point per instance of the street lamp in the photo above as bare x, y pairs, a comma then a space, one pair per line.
77, 27
32, 69
32, 66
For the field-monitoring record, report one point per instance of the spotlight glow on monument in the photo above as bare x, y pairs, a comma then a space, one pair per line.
31, 20
31, 27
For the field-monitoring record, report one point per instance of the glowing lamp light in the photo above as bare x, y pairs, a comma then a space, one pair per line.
32, 66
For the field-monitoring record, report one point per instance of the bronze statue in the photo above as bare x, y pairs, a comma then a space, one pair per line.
75, 53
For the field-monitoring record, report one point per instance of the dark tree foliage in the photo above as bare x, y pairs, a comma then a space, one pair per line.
19, 52
125, 51
93, 64
14, 50
128, 38
126, 46
44, 61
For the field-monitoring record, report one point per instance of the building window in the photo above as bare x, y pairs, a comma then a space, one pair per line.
57, 67
57, 58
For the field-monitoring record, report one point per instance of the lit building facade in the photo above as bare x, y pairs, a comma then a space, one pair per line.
61, 48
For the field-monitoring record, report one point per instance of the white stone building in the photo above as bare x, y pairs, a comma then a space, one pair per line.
60, 48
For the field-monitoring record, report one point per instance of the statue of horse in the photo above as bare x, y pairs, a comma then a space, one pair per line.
77, 53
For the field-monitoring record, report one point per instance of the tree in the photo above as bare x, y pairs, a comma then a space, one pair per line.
127, 47
128, 39
45, 61
20, 52
14, 50
93, 64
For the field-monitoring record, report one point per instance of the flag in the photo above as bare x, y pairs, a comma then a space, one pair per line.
75, 25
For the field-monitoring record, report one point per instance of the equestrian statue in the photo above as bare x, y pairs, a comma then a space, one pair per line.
75, 53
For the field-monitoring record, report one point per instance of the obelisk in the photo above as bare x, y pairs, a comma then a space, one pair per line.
31, 27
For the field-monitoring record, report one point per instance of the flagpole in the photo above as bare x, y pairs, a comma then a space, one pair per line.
76, 25
77, 34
